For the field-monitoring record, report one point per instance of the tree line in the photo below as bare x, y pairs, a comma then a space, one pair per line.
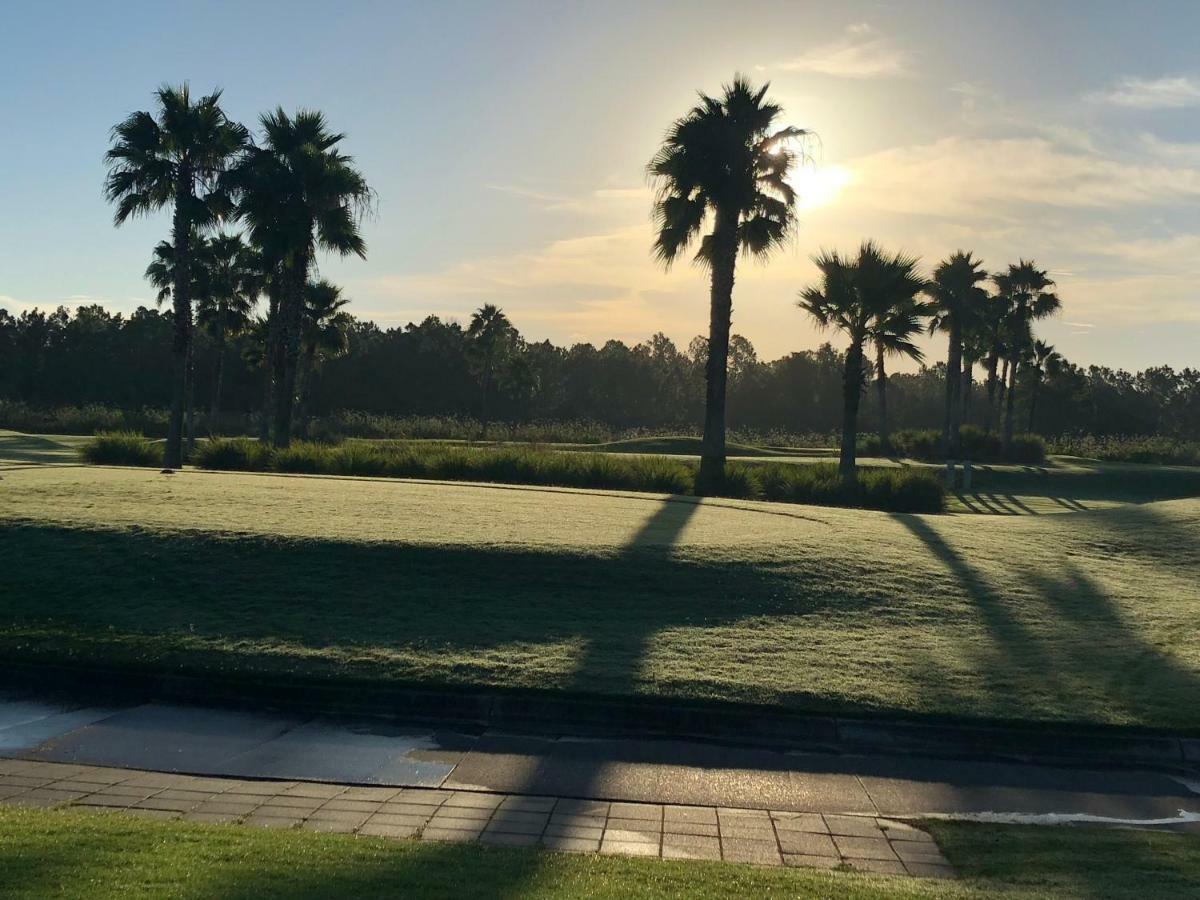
433, 368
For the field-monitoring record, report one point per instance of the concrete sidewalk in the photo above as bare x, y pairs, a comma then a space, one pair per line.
233, 744
757, 836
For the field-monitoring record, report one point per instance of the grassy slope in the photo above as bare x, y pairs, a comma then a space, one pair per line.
1083, 617
59, 854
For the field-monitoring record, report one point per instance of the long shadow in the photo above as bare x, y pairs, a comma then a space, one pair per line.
1100, 646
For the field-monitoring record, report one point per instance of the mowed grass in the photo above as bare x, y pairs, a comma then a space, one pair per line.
1080, 617
46, 854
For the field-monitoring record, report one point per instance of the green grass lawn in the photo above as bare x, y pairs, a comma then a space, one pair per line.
1082, 617
47, 854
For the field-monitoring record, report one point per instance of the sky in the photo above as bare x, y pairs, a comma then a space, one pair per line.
507, 143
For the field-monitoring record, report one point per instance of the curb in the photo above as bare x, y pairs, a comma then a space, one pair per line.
548, 713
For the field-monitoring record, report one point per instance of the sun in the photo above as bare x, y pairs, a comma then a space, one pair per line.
817, 186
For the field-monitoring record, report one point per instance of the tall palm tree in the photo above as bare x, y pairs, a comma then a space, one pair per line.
892, 333
174, 160
298, 194
956, 299
225, 310
1043, 360
852, 296
489, 336
325, 334
723, 165
1032, 300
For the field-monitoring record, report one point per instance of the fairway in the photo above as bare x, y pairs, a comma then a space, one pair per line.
1086, 616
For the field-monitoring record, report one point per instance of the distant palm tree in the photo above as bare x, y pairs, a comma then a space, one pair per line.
1032, 300
1043, 360
892, 333
852, 296
723, 163
994, 326
225, 311
325, 334
161, 274
489, 336
957, 298
174, 160
298, 193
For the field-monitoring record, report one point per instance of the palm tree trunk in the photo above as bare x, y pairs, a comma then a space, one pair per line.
190, 410
270, 352
214, 408
992, 362
953, 388
1001, 390
1033, 398
304, 386
485, 380
1010, 396
885, 437
181, 296
967, 382
291, 309
851, 390
720, 316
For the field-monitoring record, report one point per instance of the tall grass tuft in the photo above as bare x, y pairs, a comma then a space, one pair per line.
121, 448
235, 454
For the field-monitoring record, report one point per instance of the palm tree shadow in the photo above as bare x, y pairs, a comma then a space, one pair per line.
654, 541
1093, 663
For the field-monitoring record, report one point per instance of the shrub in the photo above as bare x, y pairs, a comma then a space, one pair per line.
240, 454
1159, 449
901, 490
122, 448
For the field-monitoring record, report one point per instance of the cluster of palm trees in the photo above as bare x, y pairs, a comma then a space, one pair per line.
293, 191
724, 165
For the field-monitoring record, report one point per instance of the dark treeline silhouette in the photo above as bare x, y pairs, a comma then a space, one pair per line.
436, 367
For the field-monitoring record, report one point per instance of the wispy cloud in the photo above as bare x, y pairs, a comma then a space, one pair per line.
859, 53
1170, 92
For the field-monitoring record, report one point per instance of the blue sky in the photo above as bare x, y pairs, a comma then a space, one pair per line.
507, 142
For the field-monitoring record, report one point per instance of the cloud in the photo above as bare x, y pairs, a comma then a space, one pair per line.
1170, 92
961, 176
858, 53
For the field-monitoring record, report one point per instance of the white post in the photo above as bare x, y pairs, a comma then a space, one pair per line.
949, 474
966, 487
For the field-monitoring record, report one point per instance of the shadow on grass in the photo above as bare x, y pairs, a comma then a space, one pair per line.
1104, 649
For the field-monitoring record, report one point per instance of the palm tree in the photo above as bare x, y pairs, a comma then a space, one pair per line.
161, 274
174, 160
1043, 360
852, 296
325, 334
994, 327
1032, 300
956, 298
298, 193
726, 164
490, 336
892, 333
225, 310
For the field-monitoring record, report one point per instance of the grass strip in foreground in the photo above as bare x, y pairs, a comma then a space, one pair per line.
108, 855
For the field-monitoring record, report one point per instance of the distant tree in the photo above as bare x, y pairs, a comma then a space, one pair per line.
957, 299
852, 295
892, 333
1044, 361
174, 160
725, 163
325, 334
1031, 300
994, 325
235, 282
490, 338
297, 193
